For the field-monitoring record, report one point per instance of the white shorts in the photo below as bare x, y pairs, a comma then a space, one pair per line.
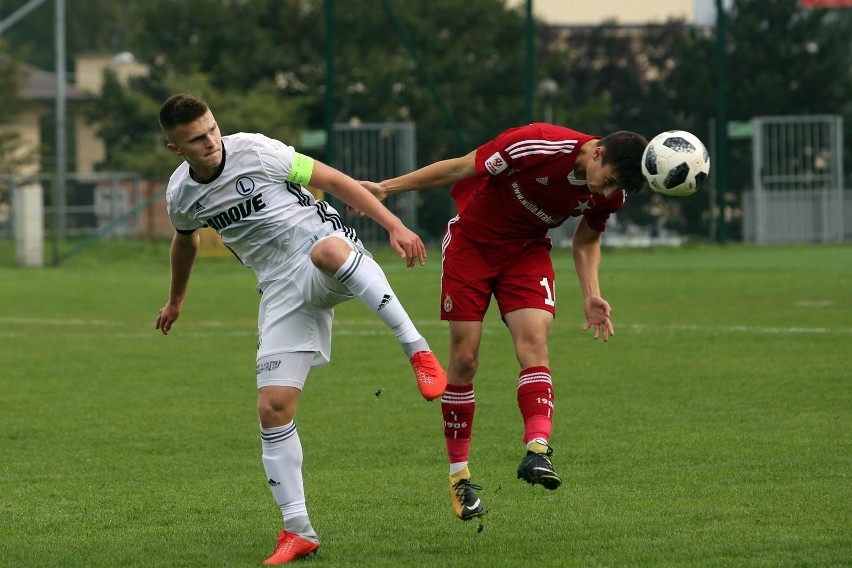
295, 315
284, 369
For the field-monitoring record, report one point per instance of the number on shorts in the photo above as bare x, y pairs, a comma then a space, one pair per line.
550, 293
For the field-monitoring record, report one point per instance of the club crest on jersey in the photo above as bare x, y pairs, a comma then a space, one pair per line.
245, 185
495, 164
448, 303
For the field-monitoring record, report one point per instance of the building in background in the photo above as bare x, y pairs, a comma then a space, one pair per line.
39, 89
623, 12
89, 77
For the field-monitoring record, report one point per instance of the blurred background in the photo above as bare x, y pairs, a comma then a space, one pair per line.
380, 87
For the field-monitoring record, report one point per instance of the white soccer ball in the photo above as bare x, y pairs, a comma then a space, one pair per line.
675, 163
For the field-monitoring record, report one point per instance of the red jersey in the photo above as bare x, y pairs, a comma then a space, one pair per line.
526, 186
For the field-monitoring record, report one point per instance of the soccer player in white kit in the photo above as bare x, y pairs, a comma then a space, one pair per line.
251, 190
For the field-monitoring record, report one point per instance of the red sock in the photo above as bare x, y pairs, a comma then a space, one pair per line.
535, 399
458, 406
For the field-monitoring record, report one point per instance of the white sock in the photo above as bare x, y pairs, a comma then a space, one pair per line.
282, 460
365, 278
301, 525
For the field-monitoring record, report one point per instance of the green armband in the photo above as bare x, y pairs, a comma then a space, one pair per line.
302, 169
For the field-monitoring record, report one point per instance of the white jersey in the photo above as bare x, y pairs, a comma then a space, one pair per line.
261, 214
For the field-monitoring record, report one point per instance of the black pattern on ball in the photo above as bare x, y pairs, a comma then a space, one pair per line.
679, 144
651, 160
677, 176
700, 177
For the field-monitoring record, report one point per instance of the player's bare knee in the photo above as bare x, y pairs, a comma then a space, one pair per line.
464, 366
329, 254
271, 417
275, 409
532, 353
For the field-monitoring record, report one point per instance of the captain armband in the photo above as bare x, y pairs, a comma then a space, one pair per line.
302, 169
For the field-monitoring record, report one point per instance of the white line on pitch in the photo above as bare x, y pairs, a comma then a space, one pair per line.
767, 330
374, 327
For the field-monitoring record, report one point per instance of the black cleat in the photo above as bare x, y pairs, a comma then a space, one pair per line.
536, 468
466, 503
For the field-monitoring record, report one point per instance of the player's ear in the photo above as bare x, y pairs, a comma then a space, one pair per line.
174, 149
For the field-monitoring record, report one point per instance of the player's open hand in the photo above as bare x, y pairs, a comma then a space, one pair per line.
598, 311
408, 245
167, 316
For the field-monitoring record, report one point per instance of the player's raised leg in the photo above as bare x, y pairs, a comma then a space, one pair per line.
355, 269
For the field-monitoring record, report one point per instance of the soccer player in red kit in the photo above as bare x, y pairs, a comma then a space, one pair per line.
509, 192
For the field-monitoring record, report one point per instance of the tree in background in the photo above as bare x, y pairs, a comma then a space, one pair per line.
12, 155
91, 26
781, 60
456, 69
127, 116
615, 78
271, 71
459, 78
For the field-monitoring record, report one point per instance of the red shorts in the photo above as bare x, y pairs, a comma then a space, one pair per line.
518, 275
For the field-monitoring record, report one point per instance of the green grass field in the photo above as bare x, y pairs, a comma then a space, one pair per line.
715, 428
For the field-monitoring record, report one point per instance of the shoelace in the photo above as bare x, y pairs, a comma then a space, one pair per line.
461, 486
546, 455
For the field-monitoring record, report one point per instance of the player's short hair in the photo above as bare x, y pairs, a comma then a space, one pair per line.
179, 109
624, 151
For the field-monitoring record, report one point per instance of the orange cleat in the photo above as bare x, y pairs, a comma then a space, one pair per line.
291, 547
431, 378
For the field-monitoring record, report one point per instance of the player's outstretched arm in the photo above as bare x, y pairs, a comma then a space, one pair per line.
438, 174
587, 259
183, 254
